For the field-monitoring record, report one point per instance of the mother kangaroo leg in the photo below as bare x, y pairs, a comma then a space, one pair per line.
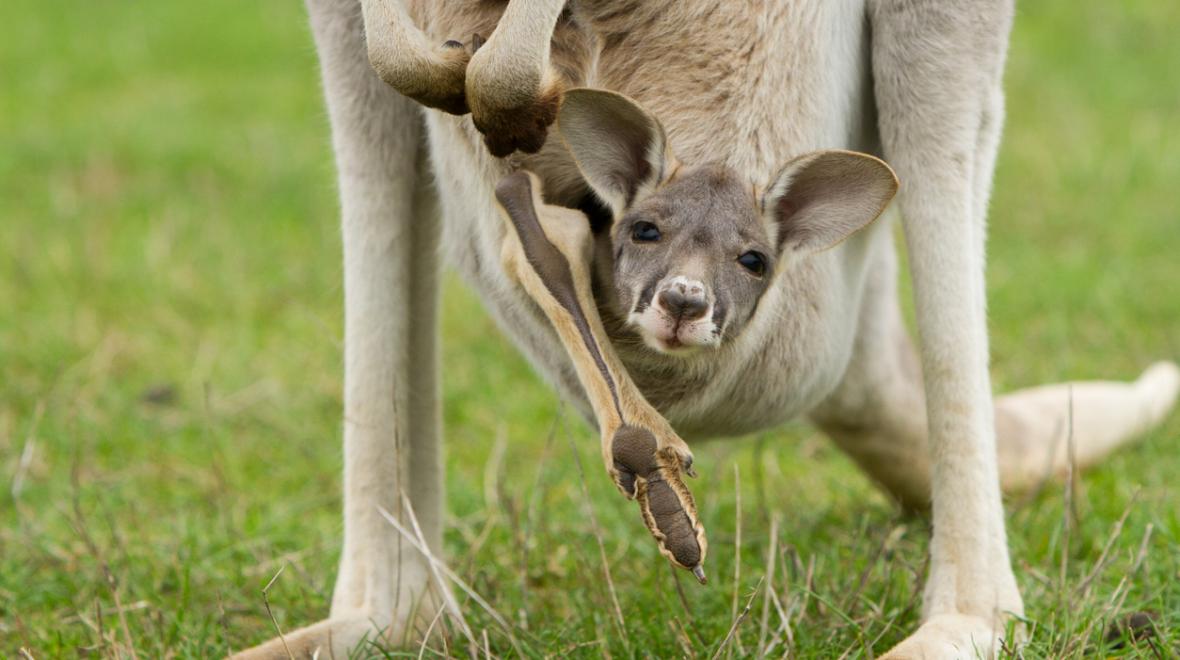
937, 68
391, 402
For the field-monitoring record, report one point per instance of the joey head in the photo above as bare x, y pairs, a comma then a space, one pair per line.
693, 247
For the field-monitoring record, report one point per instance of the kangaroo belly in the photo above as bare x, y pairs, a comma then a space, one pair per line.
750, 86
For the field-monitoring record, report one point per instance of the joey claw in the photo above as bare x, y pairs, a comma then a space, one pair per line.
652, 476
477, 42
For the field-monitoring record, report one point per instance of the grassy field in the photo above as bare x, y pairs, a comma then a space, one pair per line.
170, 369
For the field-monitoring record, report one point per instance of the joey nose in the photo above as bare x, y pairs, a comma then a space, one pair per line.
683, 303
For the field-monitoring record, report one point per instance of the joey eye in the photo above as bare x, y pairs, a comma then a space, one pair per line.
645, 232
753, 262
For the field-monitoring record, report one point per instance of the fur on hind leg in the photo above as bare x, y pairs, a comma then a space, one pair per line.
548, 252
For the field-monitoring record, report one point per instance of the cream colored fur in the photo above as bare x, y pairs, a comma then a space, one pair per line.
751, 85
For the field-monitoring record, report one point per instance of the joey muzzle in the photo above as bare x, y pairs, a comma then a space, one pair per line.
681, 305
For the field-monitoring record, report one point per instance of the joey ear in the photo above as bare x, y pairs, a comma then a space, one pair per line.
821, 198
619, 148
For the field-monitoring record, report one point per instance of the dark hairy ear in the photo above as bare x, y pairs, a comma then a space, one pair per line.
822, 198
619, 148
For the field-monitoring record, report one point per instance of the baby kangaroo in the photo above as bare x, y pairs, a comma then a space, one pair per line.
687, 258
686, 250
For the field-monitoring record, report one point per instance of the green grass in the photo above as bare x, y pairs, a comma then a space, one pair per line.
168, 228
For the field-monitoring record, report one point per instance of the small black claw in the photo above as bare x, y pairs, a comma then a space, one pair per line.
477, 42
699, 574
451, 43
687, 467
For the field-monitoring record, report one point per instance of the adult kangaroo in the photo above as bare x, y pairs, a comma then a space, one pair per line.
667, 206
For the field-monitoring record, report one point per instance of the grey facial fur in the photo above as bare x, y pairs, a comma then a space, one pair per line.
706, 218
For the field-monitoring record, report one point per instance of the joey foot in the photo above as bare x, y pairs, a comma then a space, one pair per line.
651, 474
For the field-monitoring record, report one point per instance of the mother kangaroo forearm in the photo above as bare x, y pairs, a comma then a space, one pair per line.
744, 85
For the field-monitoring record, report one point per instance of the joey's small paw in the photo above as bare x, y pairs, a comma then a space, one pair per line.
652, 475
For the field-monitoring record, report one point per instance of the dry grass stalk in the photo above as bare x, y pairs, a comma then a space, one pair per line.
737, 622
269, 613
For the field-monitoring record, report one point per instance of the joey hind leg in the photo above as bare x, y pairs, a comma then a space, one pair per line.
547, 250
